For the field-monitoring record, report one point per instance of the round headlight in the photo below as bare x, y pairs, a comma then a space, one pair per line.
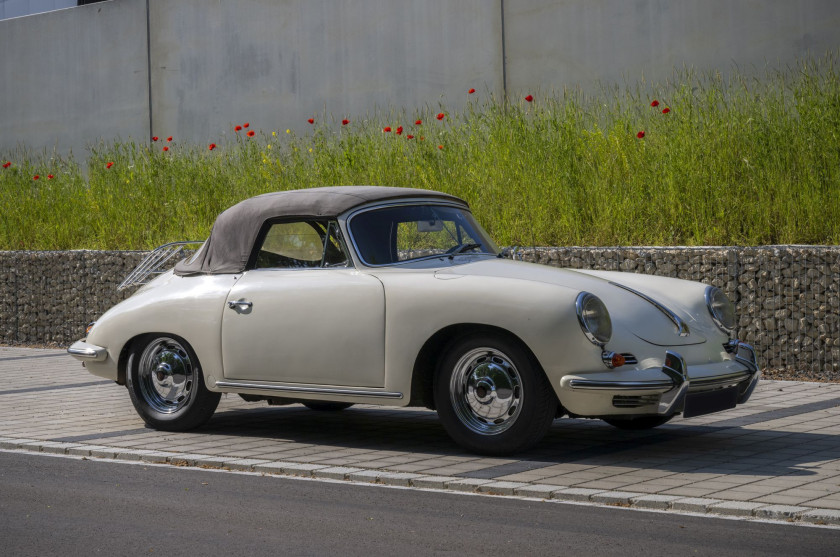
722, 310
594, 318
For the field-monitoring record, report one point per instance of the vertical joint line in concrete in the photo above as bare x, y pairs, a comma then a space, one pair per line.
504, 53
149, 64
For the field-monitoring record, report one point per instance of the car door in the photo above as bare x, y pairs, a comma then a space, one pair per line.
303, 315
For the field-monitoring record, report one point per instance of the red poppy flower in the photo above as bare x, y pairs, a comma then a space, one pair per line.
211, 146
422, 138
409, 136
666, 110
251, 133
386, 129
237, 129
35, 177
50, 176
418, 122
169, 138
345, 122
529, 98
641, 134
471, 91
155, 138
311, 120
246, 124
440, 146
165, 149
7, 164
655, 103
109, 164
399, 130
440, 116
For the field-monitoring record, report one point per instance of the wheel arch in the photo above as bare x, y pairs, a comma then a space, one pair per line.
426, 362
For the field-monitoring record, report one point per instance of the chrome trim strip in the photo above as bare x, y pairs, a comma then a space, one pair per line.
682, 327
90, 352
728, 379
308, 390
595, 385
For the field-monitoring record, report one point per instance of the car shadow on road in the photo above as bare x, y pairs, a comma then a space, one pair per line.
678, 447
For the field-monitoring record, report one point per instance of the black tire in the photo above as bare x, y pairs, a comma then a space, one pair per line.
638, 424
492, 397
166, 385
327, 406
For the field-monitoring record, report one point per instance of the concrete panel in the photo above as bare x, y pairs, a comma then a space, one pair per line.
556, 43
70, 77
277, 63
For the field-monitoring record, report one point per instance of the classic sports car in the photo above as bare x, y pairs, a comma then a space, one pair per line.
396, 296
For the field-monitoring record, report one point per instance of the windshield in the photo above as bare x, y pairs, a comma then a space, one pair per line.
410, 232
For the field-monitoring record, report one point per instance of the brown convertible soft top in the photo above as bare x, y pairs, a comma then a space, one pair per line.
230, 243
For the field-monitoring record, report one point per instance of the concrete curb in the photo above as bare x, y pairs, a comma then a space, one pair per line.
697, 505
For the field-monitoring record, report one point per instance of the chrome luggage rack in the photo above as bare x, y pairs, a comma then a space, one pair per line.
156, 263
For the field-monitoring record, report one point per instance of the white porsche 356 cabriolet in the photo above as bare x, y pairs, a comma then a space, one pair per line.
396, 296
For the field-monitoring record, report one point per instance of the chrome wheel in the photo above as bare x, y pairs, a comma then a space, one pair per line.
486, 391
166, 375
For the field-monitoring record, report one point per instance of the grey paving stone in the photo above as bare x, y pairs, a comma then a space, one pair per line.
821, 516
54, 447
614, 497
103, 452
129, 454
694, 504
367, 476
735, 508
335, 472
661, 502
244, 464
156, 457
500, 487
403, 479
467, 484
540, 491
780, 512
433, 482
575, 494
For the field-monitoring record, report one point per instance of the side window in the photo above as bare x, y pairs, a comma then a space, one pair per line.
302, 245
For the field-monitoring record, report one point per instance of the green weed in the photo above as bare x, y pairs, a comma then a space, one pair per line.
733, 161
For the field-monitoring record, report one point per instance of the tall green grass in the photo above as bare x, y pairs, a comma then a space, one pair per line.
737, 161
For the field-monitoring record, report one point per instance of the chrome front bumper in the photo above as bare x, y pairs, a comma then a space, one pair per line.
85, 352
676, 383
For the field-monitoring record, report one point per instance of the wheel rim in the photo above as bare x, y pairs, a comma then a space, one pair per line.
486, 391
166, 375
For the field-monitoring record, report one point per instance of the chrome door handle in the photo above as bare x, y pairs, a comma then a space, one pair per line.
240, 304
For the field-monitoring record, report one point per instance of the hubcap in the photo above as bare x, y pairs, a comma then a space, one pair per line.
486, 391
166, 375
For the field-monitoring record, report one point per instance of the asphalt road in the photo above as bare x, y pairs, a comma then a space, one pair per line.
53, 506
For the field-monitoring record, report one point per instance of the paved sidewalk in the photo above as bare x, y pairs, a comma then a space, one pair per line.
777, 457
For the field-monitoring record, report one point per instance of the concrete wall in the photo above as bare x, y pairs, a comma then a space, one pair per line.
71, 77
555, 43
277, 63
787, 297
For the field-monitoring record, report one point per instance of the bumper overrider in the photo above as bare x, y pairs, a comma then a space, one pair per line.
85, 352
676, 391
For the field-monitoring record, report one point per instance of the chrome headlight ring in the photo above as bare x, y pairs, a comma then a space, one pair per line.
594, 319
721, 309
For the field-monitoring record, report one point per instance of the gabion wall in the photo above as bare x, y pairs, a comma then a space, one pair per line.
787, 297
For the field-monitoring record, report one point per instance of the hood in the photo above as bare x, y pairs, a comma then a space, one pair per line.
630, 313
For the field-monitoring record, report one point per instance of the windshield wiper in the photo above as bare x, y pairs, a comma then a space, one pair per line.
461, 248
